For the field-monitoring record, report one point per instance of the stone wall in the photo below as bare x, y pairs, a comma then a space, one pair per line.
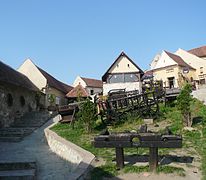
80, 158
14, 102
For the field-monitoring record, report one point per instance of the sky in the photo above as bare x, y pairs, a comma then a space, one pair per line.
84, 37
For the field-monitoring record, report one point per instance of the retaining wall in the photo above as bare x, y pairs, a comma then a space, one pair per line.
78, 157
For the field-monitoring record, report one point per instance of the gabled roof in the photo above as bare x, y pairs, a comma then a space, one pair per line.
178, 60
92, 82
77, 91
200, 51
148, 74
52, 82
11, 76
121, 54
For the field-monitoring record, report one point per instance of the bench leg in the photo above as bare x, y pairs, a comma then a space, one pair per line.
120, 157
153, 158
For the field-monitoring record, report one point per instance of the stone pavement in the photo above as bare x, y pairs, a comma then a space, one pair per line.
200, 94
34, 148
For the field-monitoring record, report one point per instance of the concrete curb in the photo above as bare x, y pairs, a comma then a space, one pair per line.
74, 154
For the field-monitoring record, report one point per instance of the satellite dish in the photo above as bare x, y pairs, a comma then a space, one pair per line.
186, 70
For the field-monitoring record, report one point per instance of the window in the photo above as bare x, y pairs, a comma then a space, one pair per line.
128, 65
9, 100
57, 100
131, 78
22, 101
169, 70
201, 70
121, 78
117, 78
91, 92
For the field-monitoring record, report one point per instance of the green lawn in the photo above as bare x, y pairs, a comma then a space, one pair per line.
195, 139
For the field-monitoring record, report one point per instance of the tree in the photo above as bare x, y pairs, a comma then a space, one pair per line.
183, 103
87, 114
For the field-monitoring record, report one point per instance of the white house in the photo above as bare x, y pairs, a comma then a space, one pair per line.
46, 83
92, 86
122, 74
198, 63
172, 70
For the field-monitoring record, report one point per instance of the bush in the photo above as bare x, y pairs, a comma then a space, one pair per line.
183, 103
87, 115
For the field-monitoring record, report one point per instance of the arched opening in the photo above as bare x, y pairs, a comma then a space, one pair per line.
22, 101
9, 100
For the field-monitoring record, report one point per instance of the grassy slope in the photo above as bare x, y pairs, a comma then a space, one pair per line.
196, 139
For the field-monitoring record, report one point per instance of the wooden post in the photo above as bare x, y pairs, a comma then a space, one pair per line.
153, 158
119, 157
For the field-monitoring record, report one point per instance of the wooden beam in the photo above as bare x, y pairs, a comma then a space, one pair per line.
120, 157
153, 158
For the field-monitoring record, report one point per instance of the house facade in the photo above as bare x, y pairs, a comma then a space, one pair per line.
18, 95
198, 62
172, 70
122, 74
92, 86
54, 90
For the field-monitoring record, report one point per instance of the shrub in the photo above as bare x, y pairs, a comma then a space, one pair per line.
183, 103
87, 115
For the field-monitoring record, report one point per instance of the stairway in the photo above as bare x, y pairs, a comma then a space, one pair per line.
18, 170
23, 126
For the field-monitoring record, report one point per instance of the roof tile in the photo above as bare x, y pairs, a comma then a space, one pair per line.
77, 91
93, 82
9, 75
200, 51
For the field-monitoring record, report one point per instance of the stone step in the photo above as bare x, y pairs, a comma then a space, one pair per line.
23, 126
18, 170
15, 131
18, 174
11, 139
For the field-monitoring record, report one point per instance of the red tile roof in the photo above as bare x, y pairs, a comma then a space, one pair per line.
93, 82
121, 54
178, 60
200, 51
52, 82
11, 76
77, 91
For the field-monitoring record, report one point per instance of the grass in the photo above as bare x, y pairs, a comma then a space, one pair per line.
194, 139
110, 170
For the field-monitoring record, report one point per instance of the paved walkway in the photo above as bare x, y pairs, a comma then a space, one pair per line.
200, 94
34, 148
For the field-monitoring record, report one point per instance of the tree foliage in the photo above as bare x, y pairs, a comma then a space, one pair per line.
183, 103
87, 115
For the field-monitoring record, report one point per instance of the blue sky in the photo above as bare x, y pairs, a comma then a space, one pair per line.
69, 38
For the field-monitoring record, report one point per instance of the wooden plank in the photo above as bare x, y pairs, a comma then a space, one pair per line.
153, 158
119, 157
111, 144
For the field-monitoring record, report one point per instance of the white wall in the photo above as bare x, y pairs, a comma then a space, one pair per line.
29, 69
121, 66
164, 61
78, 81
129, 86
154, 61
96, 90
192, 60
